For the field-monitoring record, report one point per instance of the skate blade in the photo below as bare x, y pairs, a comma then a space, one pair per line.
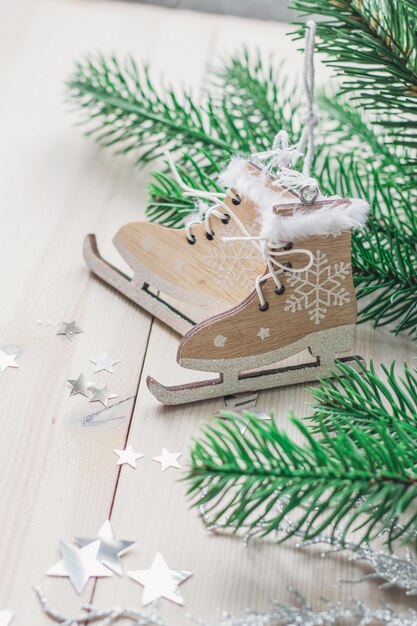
140, 295
246, 382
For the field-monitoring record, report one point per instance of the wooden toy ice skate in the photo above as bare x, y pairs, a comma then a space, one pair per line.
305, 299
193, 264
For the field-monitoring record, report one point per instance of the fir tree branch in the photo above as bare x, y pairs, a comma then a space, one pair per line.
259, 97
364, 399
343, 480
123, 109
371, 44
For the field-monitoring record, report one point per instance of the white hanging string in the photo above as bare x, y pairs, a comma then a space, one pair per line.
280, 160
283, 157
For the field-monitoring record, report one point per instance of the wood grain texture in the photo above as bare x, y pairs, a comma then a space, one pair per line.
58, 474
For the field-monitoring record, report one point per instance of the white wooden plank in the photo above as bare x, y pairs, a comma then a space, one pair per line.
57, 471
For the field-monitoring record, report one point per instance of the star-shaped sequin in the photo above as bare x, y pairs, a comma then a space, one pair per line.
160, 581
105, 362
263, 333
6, 617
79, 565
7, 360
128, 456
69, 329
110, 548
79, 385
168, 459
102, 395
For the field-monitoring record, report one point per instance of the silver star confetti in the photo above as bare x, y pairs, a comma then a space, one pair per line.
105, 362
69, 329
110, 548
168, 459
6, 617
128, 456
7, 360
102, 395
79, 565
79, 385
160, 581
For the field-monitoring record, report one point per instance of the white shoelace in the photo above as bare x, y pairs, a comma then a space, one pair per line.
278, 162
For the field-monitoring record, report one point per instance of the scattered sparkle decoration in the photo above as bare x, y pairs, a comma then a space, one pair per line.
7, 360
394, 570
110, 548
79, 565
102, 395
168, 459
6, 617
128, 456
302, 614
79, 385
69, 329
105, 362
160, 581
101, 617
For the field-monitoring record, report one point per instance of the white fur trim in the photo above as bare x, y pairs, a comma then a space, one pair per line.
333, 218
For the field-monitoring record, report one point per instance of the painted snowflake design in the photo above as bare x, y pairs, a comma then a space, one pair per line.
319, 288
227, 259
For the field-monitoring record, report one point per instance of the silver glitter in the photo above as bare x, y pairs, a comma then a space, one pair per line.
394, 570
301, 614
104, 617
110, 548
69, 329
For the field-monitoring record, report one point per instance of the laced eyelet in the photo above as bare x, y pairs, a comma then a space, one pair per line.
280, 290
288, 264
226, 218
210, 236
236, 200
288, 246
191, 240
264, 306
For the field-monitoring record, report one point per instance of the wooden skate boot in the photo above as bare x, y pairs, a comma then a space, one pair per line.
193, 264
304, 300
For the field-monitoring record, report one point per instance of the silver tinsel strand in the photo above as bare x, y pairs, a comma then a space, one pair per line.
357, 614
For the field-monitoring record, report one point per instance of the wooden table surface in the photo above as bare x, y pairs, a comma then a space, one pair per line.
58, 474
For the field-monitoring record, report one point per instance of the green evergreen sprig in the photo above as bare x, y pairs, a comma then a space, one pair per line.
372, 46
123, 109
343, 476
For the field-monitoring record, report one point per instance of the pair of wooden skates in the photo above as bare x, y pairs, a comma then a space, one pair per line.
271, 270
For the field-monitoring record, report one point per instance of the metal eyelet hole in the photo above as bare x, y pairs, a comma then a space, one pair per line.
236, 200
280, 290
191, 240
226, 219
288, 246
264, 306
288, 264
210, 236
309, 193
